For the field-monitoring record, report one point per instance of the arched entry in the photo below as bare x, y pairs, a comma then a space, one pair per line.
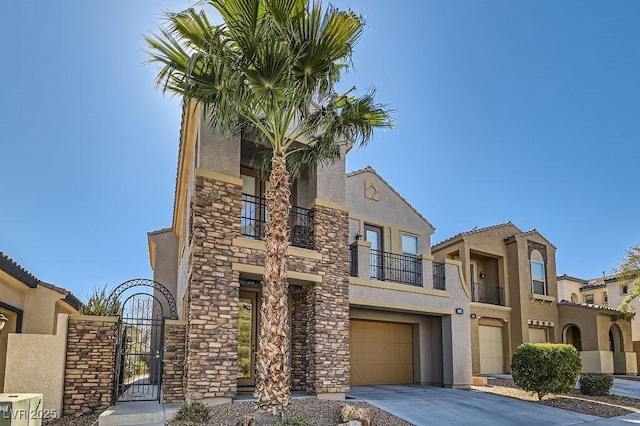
142, 306
572, 336
616, 345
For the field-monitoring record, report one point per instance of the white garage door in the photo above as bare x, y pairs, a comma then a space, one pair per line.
538, 335
491, 361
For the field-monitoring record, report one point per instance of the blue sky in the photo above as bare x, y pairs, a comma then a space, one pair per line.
525, 111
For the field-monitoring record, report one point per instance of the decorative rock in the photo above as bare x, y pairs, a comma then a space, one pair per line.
349, 413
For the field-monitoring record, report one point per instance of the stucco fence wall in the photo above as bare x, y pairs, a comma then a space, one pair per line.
36, 363
74, 369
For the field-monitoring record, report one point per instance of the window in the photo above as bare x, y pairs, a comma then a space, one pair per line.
588, 299
538, 285
605, 297
625, 289
409, 244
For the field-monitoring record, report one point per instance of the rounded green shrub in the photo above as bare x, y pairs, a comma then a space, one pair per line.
596, 384
545, 368
194, 413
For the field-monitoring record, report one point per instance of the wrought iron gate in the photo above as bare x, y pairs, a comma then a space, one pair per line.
140, 338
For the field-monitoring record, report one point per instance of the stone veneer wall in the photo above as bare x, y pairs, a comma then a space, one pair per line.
299, 314
328, 303
173, 361
213, 291
90, 364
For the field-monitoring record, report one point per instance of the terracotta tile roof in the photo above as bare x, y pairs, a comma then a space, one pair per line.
70, 298
571, 278
474, 231
530, 232
588, 306
370, 169
12, 268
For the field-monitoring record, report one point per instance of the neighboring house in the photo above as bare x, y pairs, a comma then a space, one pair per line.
512, 276
615, 344
31, 306
402, 327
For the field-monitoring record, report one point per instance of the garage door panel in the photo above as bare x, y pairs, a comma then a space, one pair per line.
381, 352
491, 350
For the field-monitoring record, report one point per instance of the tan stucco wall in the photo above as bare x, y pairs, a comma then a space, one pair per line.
427, 358
389, 212
455, 328
497, 316
35, 364
525, 307
594, 327
568, 287
165, 269
616, 297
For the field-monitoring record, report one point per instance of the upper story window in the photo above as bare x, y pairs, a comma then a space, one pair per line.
625, 289
605, 297
588, 299
409, 244
538, 276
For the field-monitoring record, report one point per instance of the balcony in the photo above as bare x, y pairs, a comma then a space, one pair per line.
254, 222
438, 276
399, 268
487, 293
369, 264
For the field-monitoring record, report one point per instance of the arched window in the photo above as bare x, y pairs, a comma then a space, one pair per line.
538, 274
575, 298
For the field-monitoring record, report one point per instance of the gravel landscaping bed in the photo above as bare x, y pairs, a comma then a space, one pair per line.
601, 406
316, 412
86, 420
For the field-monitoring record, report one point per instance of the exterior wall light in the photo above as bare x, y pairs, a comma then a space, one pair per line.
3, 320
358, 236
459, 311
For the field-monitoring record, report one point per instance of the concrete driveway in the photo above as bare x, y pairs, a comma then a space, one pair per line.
622, 387
430, 405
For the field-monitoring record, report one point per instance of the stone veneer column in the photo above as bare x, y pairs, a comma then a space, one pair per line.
90, 365
173, 361
328, 305
299, 315
213, 291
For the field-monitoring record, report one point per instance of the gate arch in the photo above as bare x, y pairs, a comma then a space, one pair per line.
140, 338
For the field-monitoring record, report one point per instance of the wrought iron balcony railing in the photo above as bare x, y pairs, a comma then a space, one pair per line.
487, 293
254, 221
438, 276
398, 268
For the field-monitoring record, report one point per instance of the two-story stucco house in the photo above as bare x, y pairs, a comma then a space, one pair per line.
512, 275
364, 305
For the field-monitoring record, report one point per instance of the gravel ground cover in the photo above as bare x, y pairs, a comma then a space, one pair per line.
316, 412
86, 420
601, 406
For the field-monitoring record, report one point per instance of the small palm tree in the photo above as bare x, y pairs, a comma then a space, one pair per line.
100, 304
272, 67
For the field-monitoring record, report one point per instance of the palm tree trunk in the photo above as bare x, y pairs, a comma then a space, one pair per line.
273, 371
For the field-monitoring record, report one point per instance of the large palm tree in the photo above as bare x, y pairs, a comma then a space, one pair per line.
271, 67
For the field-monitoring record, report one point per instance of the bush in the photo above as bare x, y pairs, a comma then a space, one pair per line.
194, 413
545, 368
596, 384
